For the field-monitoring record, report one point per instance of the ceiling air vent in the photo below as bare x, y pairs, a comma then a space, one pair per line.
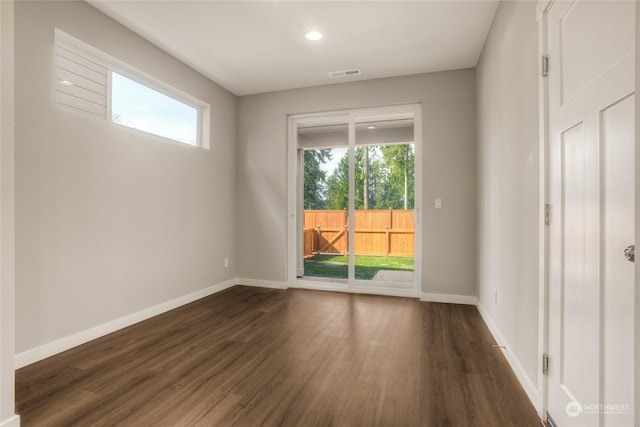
345, 73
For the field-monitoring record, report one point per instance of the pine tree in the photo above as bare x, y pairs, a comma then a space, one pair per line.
315, 178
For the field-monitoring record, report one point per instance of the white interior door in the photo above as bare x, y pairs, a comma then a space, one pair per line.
591, 154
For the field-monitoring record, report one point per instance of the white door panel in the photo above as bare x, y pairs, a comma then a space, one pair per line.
591, 153
578, 280
589, 42
617, 275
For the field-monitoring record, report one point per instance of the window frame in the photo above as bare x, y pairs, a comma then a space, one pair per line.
113, 64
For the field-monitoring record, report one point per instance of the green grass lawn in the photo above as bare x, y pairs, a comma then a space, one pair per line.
336, 266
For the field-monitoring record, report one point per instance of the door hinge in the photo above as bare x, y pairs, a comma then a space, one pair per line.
545, 65
545, 364
546, 214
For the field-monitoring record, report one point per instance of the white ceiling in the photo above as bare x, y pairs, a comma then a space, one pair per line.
259, 46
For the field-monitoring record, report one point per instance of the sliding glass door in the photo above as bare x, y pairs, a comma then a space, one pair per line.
385, 197
323, 152
353, 202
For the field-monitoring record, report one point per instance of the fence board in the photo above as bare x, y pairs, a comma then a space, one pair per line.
402, 220
310, 241
378, 232
367, 219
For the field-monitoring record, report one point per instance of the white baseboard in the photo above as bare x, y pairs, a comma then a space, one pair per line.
449, 299
14, 421
272, 284
528, 385
31, 356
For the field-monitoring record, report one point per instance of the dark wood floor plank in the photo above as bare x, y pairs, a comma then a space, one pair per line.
251, 356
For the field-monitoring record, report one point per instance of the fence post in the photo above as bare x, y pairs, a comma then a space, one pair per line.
346, 232
388, 234
387, 242
319, 233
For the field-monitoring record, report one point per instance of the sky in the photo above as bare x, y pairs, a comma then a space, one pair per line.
137, 106
337, 154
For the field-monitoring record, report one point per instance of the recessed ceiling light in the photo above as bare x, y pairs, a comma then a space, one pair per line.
313, 35
66, 83
371, 127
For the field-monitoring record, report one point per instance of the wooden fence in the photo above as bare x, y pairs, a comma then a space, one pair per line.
378, 232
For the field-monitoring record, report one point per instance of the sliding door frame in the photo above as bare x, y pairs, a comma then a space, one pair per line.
295, 211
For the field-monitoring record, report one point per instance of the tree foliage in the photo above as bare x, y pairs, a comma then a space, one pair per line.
400, 163
315, 178
387, 173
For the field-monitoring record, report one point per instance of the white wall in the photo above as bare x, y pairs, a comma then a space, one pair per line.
448, 106
7, 218
508, 175
111, 221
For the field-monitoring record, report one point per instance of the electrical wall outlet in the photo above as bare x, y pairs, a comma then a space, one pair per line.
226, 263
495, 296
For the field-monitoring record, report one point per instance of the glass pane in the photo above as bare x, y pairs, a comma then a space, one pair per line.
139, 107
326, 201
384, 223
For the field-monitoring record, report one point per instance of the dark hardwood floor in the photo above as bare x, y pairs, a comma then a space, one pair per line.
250, 356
